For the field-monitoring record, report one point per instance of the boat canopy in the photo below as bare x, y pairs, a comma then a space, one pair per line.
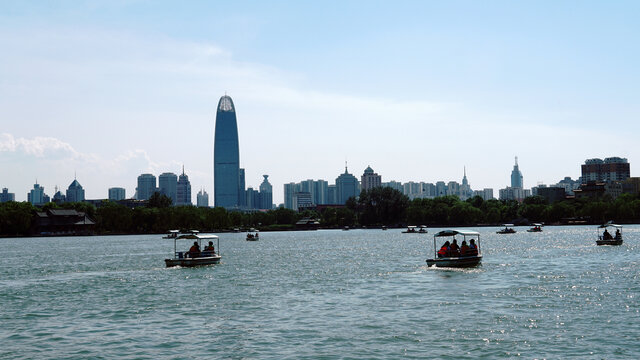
456, 232
174, 231
507, 225
198, 236
536, 224
610, 224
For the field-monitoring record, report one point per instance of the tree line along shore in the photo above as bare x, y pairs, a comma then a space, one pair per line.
373, 208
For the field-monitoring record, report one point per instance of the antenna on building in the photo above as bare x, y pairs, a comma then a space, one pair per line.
516, 161
182, 169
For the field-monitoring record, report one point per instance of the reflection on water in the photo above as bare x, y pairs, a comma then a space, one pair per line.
322, 294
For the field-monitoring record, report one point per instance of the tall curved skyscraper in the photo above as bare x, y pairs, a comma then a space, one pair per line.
226, 156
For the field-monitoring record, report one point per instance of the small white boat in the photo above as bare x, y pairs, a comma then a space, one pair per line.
606, 238
189, 259
422, 229
172, 234
461, 259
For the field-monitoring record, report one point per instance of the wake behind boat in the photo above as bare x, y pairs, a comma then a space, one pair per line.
195, 257
450, 255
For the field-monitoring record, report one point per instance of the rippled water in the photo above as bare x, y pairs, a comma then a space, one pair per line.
322, 295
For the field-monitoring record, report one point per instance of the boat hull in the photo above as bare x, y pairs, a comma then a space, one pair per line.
459, 262
191, 262
609, 242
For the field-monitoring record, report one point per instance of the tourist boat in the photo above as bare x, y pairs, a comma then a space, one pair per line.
508, 229
422, 229
172, 234
253, 235
384, 227
183, 258
459, 261
535, 228
609, 239
411, 230
346, 228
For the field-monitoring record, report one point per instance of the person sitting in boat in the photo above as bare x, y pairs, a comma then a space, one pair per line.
606, 235
194, 251
473, 248
455, 249
210, 248
618, 234
445, 250
464, 248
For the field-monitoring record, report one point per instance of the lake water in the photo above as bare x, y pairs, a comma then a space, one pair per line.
359, 294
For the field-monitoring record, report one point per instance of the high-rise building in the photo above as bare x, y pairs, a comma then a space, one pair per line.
611, 169
289, 190
347, 186
465, 188
332, 195
6, 196
183, 190
59, 197
202, 199
266, 194
146, 186
242, 198
117, 193
226, 156
516, 176
75, 192
370, 179
441, 189
168, 186
37, 196
321, 192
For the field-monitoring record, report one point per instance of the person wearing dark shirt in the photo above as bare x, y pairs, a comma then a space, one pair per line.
455, 249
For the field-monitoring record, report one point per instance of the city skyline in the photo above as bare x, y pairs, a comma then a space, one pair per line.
416, 90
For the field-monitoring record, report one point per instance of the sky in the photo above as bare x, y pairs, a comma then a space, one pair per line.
104, 91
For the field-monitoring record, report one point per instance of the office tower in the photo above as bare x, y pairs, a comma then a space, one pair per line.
59, 197
516, 176
75, 192
611, 169
226, 156
117, 193
6, 196
202, 199
347, 186
308, 186
37, 196
242, 197
146, 186
321, 192
266, 194
183, 196
289, 190
332, 195
370, 179
168, 186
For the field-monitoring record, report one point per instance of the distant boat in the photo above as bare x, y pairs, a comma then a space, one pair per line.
346, 228
508, 229
253, 235
172, 234
411, 230
187, 259
606, 238
535, 228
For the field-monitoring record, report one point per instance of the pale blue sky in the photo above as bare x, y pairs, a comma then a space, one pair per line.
416, 90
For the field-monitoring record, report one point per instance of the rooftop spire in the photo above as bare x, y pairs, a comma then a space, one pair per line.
516, 161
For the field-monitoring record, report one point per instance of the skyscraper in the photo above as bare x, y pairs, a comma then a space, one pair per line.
37, 196
266, 194
226, 156
168, 186
6, 196
117, 193
347, 186
202, 199
146, 186
183, 193
370, 179
75, 192
516, 176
